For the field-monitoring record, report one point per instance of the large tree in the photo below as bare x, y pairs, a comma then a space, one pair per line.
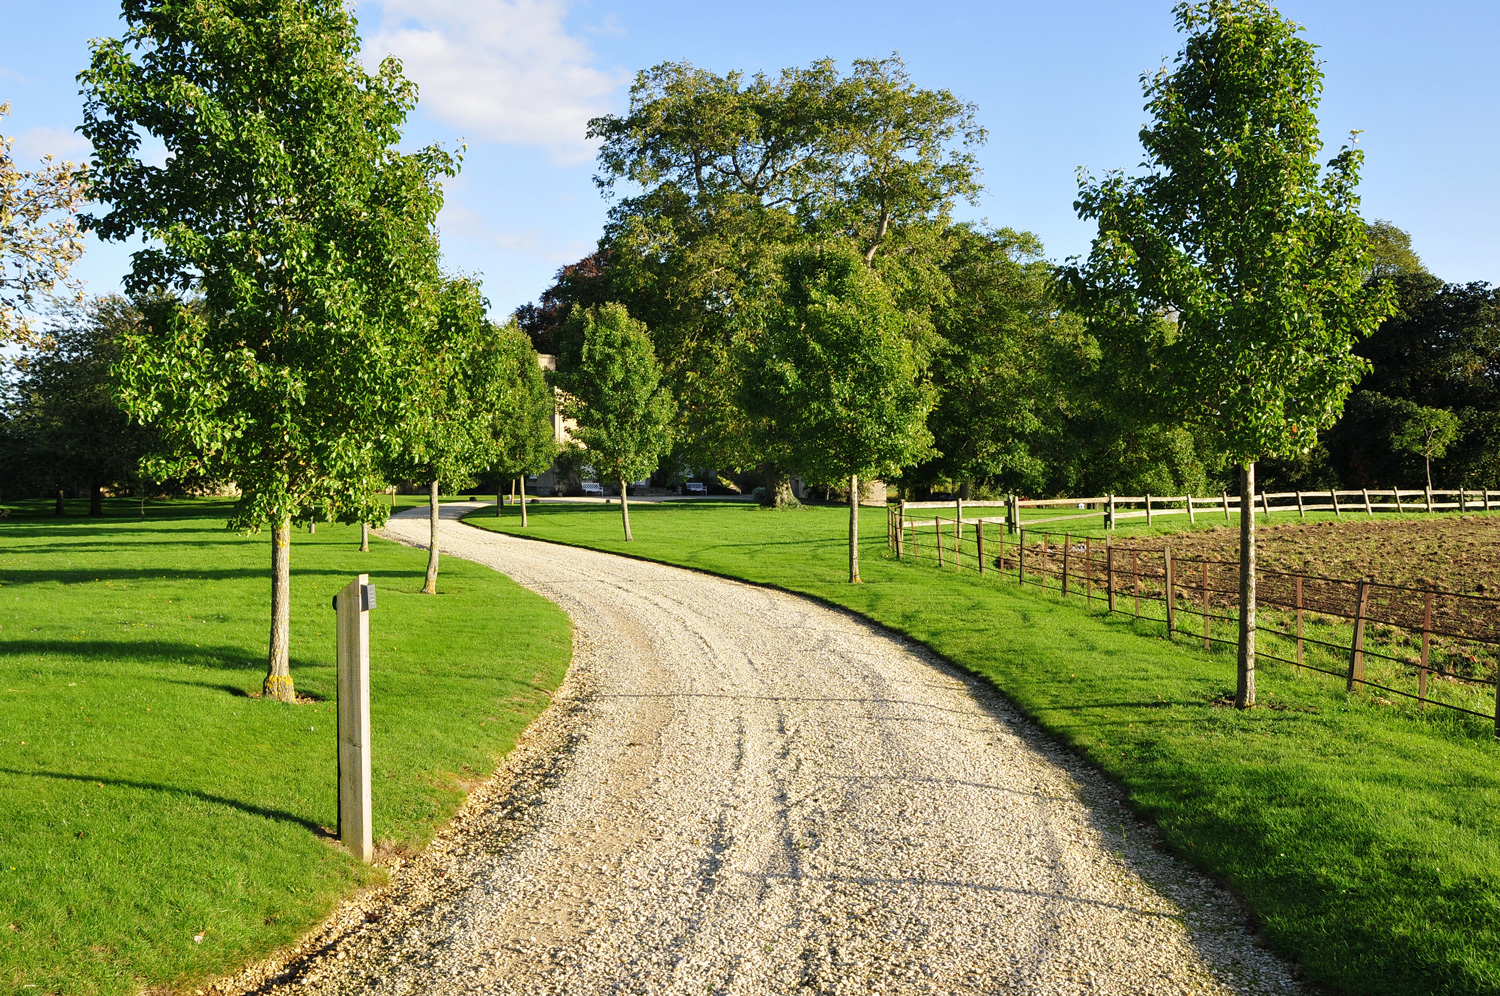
284, 207
837, 374
612, 387
39, 238
1258, 253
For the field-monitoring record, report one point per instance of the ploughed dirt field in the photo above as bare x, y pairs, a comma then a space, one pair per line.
1458, 553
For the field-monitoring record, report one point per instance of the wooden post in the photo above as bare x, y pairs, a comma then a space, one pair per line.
1396, 492
1226, 506
1109, 571
901, 530
1021, 558
1088, 571
1171, 594
1368, 510
1207, 643
1357, 650
1426, 647
1012, 514
1067, 549
1301, 512
937, 532
979, 539
1109, 513
1486, 499
1135, 572
353, 605
1148, 510
1191, 517
957, 558
1299, 624
1335, 496
1265, 503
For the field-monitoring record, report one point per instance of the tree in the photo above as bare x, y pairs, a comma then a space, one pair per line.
1390, 248
521, 411
304, 237
39, 237
837, 373
1259, 254
612, 387
456, 389
1427, 432
733, 170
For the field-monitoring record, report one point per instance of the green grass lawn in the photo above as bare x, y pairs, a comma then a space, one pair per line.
147, 793
1365, 838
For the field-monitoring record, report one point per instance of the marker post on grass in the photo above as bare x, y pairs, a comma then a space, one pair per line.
353, 605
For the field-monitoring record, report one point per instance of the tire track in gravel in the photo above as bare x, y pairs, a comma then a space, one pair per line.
740, 791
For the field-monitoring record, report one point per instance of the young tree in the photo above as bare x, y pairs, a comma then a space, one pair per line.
612, 387
1259, 254
39, 237
837, 373
305, 238
457, 385
1426, 432
521, 413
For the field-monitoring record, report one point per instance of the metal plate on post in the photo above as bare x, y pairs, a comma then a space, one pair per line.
353, 604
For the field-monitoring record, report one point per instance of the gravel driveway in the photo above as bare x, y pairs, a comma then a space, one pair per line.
739, 791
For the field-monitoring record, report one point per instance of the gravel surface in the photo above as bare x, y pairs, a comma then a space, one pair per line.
739, 791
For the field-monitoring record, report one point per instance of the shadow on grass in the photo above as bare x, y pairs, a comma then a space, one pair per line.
245, 807
227, 658
84, 575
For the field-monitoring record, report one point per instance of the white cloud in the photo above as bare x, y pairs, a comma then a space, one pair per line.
59, 143
503, 70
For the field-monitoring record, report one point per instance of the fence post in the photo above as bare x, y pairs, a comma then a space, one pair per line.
1067, 549
1226, 506
1426, 645
1461, 506
1021, 558
1109, 513
1486, 499
979, 539
1368, 510
1265, 503
353, 605
1148, 510
901, 532
1335, 496
1191, 517
1207, 642
957, 559
1397, 493
1171, 594
937, 532
1357, 651
1109, 571
1299, 624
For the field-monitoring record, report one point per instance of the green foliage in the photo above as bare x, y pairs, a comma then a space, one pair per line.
155, 795
521, 405
836, 375
285, 208
612, 388
1391, 252
1235, 231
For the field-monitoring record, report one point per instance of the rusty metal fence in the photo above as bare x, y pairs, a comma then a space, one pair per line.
1434, 647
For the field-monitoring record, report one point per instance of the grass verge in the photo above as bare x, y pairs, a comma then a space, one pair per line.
149, 795
1363, 837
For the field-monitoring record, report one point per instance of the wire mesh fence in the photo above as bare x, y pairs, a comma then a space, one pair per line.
1432, 647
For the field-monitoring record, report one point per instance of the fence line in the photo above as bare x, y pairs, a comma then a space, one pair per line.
1150, 507
1446, 640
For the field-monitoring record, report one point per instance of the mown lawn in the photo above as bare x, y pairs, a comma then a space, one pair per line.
1365, 838
147, 794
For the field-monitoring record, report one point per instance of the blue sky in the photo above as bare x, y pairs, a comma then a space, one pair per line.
1057, 85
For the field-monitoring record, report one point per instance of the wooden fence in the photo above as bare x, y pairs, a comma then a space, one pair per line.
1438, 648
1114, 508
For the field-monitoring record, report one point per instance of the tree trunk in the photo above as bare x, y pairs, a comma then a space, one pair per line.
965, 490
364, 537
1244, 690
522, 482
625, 510
499, 497
312, 526
58, 508
96, 501
854, 529
778, 485
278, 683
430, 588
1429, 472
